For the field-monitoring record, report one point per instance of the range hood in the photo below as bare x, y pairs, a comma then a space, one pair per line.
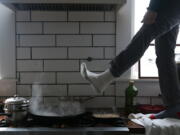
64, 4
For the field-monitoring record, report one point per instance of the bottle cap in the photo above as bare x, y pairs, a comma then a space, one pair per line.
131, 81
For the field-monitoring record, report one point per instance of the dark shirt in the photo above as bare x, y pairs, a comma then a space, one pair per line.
157, 5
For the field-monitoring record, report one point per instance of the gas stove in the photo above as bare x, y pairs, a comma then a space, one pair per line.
83, 124
86, 119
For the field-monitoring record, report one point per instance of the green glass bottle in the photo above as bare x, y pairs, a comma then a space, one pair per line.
130, 92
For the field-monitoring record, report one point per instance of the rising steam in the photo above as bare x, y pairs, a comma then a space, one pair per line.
62, 108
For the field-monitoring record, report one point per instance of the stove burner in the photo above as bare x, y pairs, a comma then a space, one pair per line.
84, 120
3, 123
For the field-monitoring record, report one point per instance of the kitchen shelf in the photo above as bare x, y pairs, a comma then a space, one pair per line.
76, 5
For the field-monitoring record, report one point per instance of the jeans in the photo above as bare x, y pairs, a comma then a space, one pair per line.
164, 31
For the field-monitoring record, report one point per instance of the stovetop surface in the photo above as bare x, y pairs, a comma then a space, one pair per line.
85, 120
84, 124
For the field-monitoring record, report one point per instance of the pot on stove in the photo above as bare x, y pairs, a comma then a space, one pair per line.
16, 108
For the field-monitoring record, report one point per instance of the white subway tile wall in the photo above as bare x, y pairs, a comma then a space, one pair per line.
85, 52
22, 16
74, 40
48, 16
103, 40
145, 89
28, 28
61, 65
51, 45
110, 52
23, 53
24, 90
97, 27
37, 78
110, 90
140, 100
101, 102
61, 28
120, 102
29, 65
156, 101
70, 78
49, 53
50, 90
86, 16
110, 16
81, 90
37, 40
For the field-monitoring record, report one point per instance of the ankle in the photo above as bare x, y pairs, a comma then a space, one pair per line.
152, 116
178, 114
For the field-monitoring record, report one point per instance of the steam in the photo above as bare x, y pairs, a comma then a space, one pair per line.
62, 108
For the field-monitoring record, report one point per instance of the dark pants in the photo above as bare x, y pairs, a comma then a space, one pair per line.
164, 31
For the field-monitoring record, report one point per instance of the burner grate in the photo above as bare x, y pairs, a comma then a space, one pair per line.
84, 120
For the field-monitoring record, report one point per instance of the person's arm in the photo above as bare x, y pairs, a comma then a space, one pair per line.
151, 14
154, 5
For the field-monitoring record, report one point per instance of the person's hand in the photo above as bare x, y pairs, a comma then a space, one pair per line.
149, 17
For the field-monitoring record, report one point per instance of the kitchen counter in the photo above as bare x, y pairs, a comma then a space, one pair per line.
135, 128
132, 128
67, 131
129, 128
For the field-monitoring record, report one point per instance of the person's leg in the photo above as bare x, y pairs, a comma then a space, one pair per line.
164, 23
168, 76
98, 81
165, 61
140, 42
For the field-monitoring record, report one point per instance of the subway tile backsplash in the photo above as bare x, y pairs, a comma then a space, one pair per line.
97, 27
85, 52
37, 77
29, 65
51, 45
46, 16
49, 53
74, 40
103, 40
37, 40
29, 27
23, 53
61, 65
61, 28
23, 16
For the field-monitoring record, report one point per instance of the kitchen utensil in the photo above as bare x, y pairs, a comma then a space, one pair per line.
16, 108
66, 108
